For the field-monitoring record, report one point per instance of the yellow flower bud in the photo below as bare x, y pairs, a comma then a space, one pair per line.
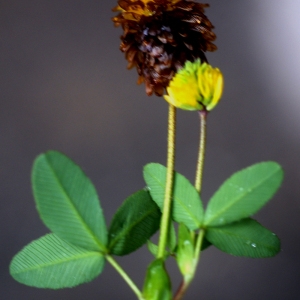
195, 87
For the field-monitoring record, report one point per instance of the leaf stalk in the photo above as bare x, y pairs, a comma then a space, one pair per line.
125, 276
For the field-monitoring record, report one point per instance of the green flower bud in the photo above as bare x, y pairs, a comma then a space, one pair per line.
185, 251
157, 284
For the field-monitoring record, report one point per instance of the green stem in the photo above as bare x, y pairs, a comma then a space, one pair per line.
165, 220
198, 185
201, 152
125, 276
188, 279
198, 246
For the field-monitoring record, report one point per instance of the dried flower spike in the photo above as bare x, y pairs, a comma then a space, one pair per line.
196, 87
160, 36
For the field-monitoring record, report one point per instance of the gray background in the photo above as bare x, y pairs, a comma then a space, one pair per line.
64, 86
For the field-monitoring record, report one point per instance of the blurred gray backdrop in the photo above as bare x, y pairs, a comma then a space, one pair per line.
64, 86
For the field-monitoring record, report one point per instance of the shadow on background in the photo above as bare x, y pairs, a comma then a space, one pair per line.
64, 86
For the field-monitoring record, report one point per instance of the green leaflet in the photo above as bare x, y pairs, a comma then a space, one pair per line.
134, 223
67, 201
187, 206
153, 248
243, 194
49, 262
244, 238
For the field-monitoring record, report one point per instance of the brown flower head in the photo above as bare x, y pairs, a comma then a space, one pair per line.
160, 36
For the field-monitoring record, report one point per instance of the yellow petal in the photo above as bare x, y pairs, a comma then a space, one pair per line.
195, 87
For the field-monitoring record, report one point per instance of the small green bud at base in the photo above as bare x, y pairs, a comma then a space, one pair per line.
157, 284
185, 251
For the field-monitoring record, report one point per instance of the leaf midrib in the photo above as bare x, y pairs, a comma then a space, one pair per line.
226, 207
60, 261
73, 207
221, 231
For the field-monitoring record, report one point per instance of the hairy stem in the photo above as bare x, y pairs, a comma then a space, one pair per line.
201, 152
165, 220
198, 185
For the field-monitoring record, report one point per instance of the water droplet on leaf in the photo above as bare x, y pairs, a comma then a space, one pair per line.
186, 242
221, 220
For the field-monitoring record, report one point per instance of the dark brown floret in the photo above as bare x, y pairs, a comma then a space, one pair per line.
160, 36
